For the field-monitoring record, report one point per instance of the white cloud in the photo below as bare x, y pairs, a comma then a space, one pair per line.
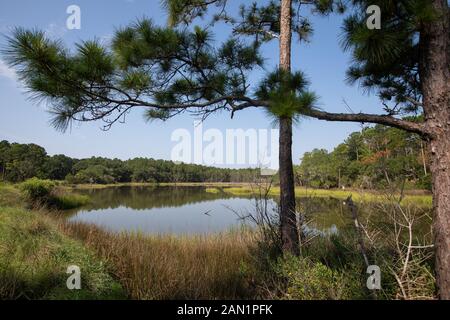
7, 72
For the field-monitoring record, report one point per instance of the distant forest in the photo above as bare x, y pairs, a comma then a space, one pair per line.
19, 162
370, 159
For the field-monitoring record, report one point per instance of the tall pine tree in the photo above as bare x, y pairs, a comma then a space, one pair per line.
176, 69
407, 62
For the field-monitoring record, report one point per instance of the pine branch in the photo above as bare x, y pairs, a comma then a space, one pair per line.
390, 121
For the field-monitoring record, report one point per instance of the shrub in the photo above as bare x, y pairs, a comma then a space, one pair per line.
307, 279
38, 191
44, 193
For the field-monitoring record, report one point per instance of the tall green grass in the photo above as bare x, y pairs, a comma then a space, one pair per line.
35, 255
169, 267
10, 195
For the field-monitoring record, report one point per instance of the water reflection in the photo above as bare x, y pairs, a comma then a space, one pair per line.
191, 210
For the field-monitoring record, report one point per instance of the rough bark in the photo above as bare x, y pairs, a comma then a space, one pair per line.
440, 171
288, 219
435, 80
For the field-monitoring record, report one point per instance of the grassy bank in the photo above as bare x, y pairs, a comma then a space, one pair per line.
240, 265
36, 247
10, 195
417, 198
35, 255
148, 184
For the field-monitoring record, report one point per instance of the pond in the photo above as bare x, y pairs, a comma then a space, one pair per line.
189, 210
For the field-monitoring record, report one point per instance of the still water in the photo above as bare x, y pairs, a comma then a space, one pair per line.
189, 210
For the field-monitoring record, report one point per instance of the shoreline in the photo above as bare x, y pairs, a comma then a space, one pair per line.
415, 196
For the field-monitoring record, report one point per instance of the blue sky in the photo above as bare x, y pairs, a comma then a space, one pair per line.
24, 121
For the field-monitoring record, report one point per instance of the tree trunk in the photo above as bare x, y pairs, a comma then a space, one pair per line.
288, 217
435, 75
440, 170
434, 69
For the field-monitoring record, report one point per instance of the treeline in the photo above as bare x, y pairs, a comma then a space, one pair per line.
19, 162
373, 158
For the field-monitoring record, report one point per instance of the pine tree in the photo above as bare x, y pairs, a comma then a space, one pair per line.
170, 70
407, 62
176, 69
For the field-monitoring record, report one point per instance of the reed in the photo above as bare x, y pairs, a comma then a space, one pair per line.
174, 267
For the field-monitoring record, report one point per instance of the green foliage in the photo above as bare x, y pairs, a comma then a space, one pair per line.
372, 158
263, 21
260, 20
315, 168
93, 174
21, 161
106, 171
45, 193
363, 160
37, 190
34, 256
387, 60
166, 70
286, 94
185, 11
308, 280
57, 167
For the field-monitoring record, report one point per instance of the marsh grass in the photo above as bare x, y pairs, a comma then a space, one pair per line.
36, 247
35, 254
174, 267
10, 195
422, 199
212, 190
